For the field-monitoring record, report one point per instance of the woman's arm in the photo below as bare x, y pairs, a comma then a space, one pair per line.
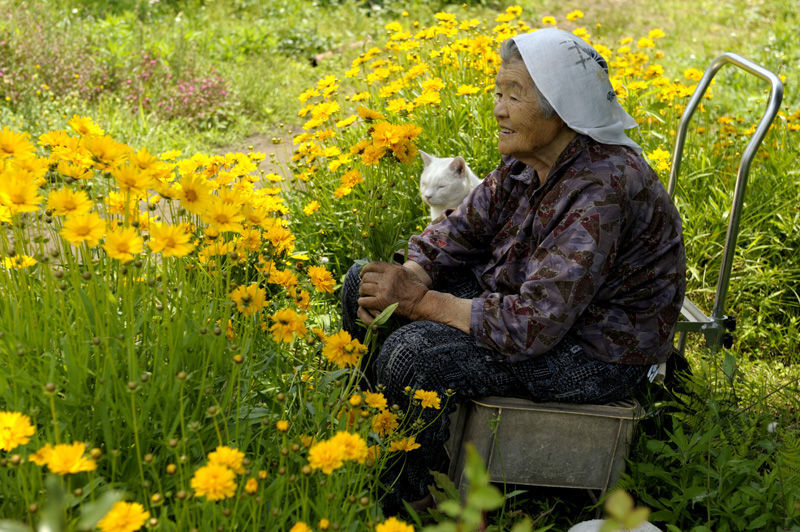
383, 284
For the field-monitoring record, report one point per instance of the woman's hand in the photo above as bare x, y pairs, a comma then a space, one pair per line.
383, 284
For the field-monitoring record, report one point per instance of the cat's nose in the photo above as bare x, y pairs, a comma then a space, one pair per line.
427, 197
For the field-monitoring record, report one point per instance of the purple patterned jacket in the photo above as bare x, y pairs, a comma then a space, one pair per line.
596, 254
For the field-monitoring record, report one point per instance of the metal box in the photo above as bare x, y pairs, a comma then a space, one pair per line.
544, 444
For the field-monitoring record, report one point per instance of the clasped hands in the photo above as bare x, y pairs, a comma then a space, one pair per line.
383, 284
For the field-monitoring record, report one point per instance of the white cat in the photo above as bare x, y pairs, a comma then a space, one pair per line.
445, 182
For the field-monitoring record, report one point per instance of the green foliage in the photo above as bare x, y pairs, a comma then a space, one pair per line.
481, 497
710, 461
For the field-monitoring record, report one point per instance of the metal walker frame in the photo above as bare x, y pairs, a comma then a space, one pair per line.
718, 327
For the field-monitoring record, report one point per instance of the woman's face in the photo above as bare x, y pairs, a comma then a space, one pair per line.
524, 133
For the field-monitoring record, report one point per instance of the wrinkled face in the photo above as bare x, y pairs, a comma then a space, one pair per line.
524, 132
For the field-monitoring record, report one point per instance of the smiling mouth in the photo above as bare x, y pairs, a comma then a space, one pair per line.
505, 131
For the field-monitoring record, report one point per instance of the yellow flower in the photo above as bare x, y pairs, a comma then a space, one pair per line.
548, 20
223, 216
67, 459
645, 42
65, 201
249, 299
428, 97
132, 179
463, 90
251, 486
326, 455
353, 446
83, 125
658, 155
282, 425
249, 241
346, 121
124, 517
445, 17
384, 423
81, 228
281, 238
285, 278
301, 298
355, 399
123, 243
194, 193
18, 193
368, 114
656, 33
324, 524
398, 105
693, 74
428, 399
300, 527
311, 208
341, 191
214, 482
170, 240
321, 279
14, 144
40, 457
18, 262
375, 400
341, 349
15, 429
394, 525
287, 323
228, 457
108, 152
170, 155
404, 444
574, 15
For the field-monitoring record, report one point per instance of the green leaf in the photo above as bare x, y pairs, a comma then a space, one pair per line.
330, 376
53, 512
619, 504
729, 366
443, 482
384, 316
759, 522
484, 498
636, 517
451, 508
441, 527
474, 468
93, 512
13, 526
526, 525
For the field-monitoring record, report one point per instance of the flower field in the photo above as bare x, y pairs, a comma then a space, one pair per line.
169, 331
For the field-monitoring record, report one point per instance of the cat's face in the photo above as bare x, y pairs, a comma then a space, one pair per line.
444, 182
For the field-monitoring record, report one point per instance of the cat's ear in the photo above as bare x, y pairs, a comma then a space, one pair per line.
458, 165
426, 159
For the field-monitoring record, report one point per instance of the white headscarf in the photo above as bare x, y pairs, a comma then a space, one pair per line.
566, 71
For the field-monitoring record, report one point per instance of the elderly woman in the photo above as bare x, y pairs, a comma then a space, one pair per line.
559, 278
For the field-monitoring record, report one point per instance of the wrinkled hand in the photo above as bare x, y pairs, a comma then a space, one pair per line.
383, 284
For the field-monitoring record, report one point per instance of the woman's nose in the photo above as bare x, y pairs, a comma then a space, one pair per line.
499, 109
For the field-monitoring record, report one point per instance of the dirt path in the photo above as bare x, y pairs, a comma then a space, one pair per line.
276, 146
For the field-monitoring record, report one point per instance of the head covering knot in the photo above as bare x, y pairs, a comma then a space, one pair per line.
573, 77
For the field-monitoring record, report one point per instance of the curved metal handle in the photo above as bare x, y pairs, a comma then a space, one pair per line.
773, 105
